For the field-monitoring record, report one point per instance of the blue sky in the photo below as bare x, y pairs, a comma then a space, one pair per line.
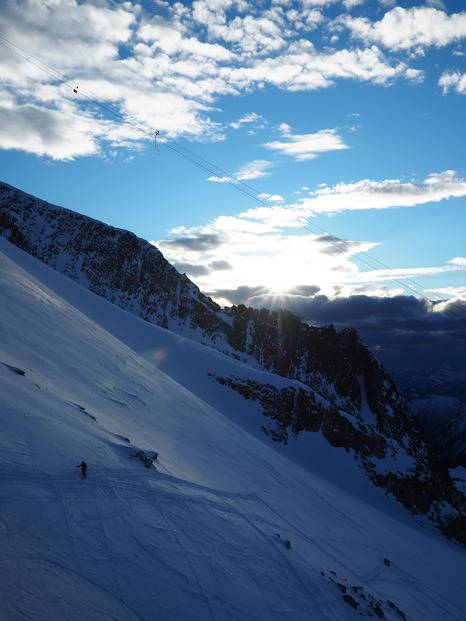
293, 136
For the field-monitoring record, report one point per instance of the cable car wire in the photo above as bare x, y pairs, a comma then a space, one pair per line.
340, 244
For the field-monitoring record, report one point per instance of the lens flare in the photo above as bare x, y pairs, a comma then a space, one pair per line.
160, 354
154, 357
107, 385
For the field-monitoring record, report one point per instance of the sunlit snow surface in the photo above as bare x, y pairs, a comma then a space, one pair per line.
203, 536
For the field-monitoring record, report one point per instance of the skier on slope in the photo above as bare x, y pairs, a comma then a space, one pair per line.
83, 467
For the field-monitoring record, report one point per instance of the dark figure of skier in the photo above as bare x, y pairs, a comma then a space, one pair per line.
83, 467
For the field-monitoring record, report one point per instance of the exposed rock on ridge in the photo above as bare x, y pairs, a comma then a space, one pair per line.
113, 263
337, 386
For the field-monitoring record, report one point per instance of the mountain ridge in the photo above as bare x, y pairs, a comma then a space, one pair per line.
345, 392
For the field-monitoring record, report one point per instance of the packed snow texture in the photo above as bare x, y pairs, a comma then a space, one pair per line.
224, 527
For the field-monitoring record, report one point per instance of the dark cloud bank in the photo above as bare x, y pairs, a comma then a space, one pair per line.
198, 243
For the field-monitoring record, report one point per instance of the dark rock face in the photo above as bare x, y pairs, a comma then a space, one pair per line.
444, 421
364, 602
336, 386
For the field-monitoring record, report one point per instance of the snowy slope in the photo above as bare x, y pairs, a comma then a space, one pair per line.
335, 385
197, 538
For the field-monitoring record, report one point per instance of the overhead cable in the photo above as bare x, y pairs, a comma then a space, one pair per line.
238, 184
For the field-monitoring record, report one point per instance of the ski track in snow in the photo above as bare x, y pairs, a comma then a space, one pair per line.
104, 493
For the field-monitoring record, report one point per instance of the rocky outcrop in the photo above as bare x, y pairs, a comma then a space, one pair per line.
336, 386
407, 467
444, 421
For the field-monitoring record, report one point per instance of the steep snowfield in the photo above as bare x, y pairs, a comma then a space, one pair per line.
197, 538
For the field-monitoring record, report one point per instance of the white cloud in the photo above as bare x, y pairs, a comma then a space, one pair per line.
58, 134
452, 293
364, 194
453, 80
82, 41
350, 4
218, 179
385, 194
305, 19
67, 33
410, 29
459, 261
320, 3
306, 146
383, 275
438, 4
252, 119
273, 198
166, 65
262, 253
253, 170
169, 40
302, 68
